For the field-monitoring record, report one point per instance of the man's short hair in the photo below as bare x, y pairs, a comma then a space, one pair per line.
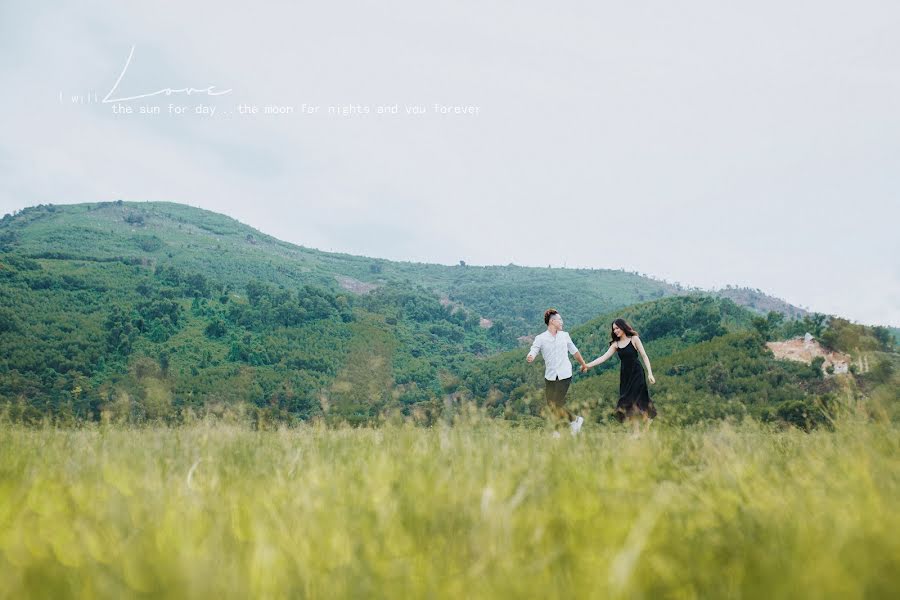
548, 314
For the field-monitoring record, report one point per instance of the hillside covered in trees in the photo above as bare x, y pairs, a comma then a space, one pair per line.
233, 254
154, 311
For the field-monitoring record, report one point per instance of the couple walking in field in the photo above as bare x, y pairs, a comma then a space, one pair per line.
555, 345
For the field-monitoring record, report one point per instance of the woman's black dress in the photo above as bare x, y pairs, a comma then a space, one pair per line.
634, 398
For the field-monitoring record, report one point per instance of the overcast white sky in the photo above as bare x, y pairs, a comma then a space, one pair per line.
710, 143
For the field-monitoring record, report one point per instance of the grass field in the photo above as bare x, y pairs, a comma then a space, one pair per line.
478, 510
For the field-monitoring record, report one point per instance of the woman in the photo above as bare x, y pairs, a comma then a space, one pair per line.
634, 398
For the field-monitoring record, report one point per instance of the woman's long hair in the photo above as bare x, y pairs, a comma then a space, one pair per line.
625, 327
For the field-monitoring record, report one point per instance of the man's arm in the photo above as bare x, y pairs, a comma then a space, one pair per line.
581, 362
574, 351
535, 350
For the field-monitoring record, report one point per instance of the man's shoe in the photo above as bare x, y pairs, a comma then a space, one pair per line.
576, 425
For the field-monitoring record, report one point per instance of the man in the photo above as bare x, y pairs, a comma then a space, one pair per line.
556, 345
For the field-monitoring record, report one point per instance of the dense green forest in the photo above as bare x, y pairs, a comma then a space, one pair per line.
157, 311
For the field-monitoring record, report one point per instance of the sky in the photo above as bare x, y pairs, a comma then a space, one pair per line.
707, 143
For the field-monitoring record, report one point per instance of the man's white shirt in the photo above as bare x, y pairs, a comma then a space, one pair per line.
556, 350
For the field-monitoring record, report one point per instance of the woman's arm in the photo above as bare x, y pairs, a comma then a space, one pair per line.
640, 347
604, 358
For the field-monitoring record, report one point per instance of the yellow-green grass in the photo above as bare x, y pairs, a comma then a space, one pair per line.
477, 510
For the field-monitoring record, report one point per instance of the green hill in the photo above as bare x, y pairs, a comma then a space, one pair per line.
150, 310
229, 252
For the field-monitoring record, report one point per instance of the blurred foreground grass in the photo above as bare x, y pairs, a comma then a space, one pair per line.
478, 510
